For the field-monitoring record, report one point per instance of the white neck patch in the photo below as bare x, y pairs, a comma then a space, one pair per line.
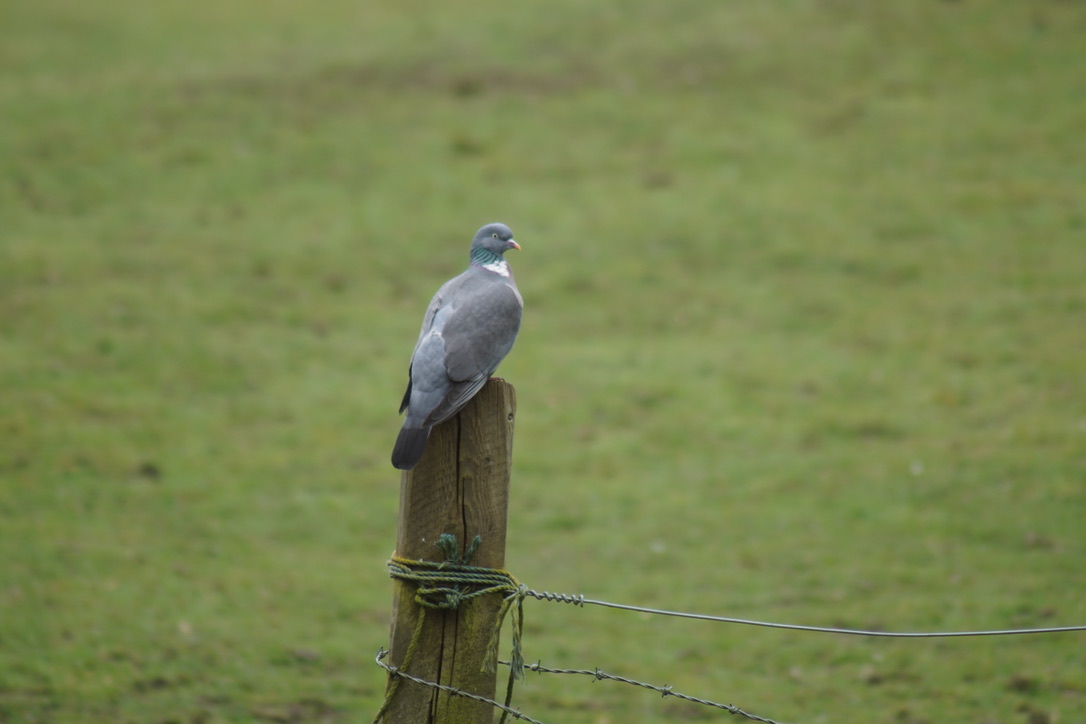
498, 267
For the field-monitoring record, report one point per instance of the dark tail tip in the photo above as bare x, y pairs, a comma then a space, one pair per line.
410, 444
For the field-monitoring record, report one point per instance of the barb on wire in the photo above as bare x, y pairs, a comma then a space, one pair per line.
580, 600
664, 691
507, 710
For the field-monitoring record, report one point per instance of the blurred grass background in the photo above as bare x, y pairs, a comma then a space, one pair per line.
804, 340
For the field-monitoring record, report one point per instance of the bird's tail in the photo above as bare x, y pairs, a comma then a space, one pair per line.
410, 444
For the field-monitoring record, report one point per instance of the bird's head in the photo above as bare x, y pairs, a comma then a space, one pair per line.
495, 238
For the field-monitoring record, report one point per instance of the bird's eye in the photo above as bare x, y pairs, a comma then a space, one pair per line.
494, 235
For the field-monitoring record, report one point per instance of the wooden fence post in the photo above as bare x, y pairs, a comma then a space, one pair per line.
461, 486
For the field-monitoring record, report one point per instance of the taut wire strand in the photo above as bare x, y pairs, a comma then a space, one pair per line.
580, 600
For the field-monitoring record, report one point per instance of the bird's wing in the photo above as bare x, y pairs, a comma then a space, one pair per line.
467, 331
427, 381
477, 338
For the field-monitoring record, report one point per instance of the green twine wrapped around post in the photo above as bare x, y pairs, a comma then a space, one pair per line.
444, 586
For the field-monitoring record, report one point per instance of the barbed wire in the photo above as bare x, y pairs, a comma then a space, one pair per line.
447, 584
581, 601
664, 691
596, 674
454, 691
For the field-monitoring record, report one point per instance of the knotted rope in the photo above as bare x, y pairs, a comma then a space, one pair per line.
444, 586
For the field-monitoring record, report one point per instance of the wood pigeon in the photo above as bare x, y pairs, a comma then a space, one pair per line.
468, 329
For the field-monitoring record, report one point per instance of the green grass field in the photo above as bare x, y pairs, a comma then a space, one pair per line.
804, 340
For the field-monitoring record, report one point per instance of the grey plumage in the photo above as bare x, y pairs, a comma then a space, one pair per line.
467, 330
